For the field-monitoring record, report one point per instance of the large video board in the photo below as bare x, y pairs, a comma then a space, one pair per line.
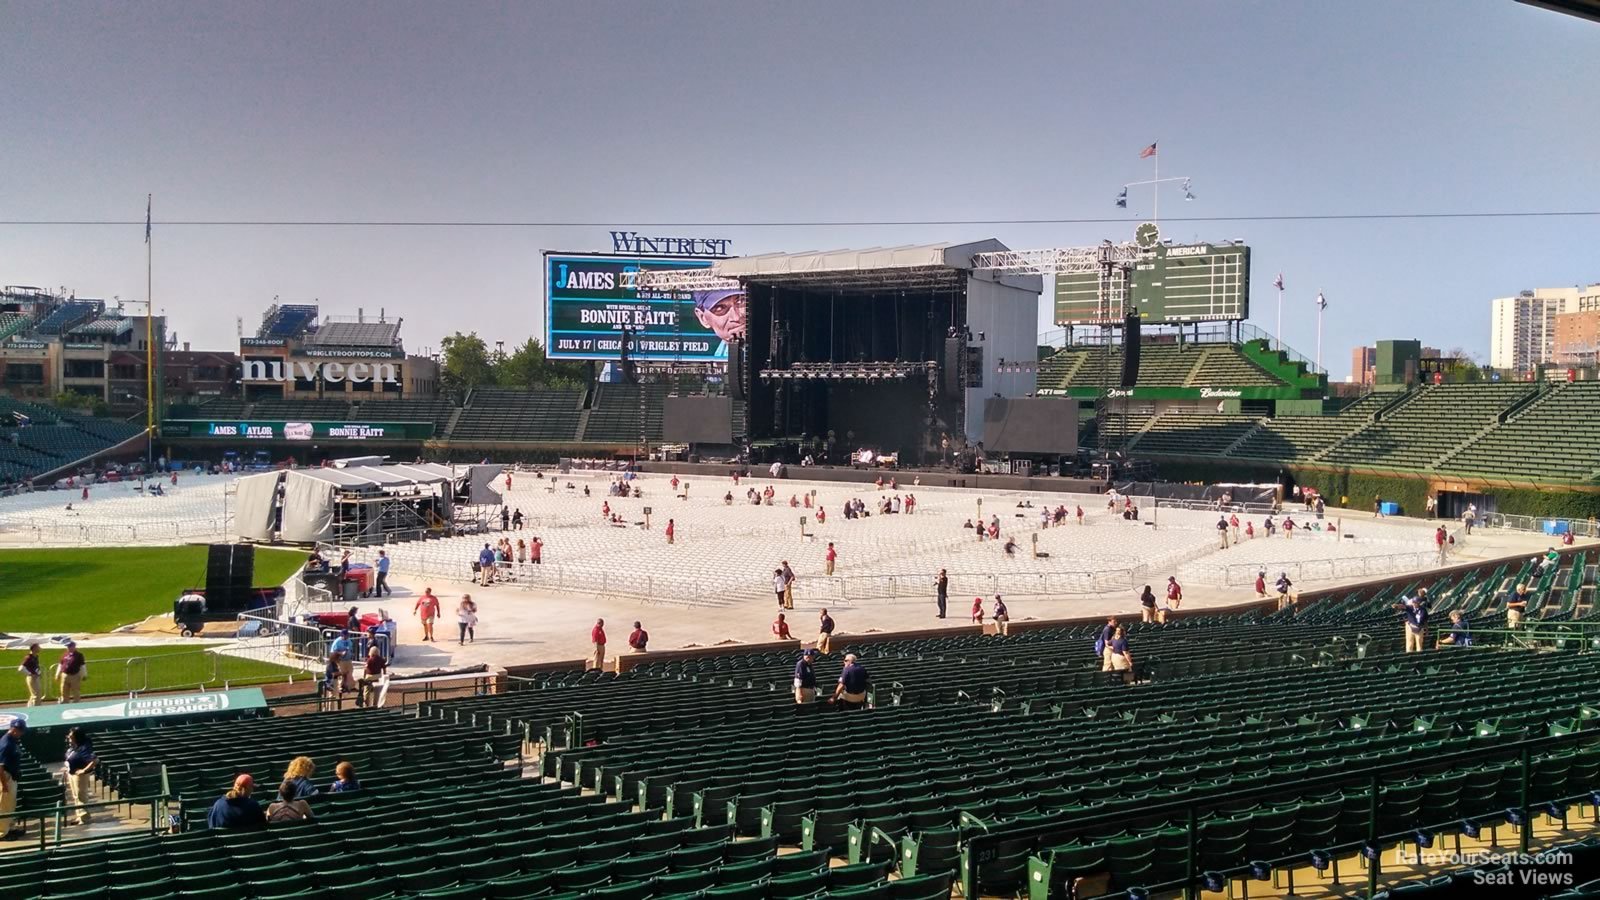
590, 306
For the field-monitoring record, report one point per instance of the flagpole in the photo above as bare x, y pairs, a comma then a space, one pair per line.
1279, 333
1155, 189
1320, 305
149, 344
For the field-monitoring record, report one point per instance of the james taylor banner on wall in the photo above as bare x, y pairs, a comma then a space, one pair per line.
588, 307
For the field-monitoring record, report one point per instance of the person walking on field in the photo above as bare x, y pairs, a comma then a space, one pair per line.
380, 588
1147, 605
1174, 592
672, 530
780, 629
639, 640
427, 608
597, 637
831, 555
29, 667
788, 586
941, 586
486, 565
467, 620
1233, 525
825, 633
977, 610
779, 585
1261, 584
72, 669
1002, 616
1222, 531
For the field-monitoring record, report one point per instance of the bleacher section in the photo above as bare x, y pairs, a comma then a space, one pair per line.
436, 411
1007, 766
1160, 365
616, 415
53, 438
324, 410
1301, 437
1188, 433
1223, 364
1418, 431
1557, 436
500, 414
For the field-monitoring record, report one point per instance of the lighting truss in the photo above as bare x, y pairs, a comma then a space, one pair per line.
668, 280
856, 371
1058, 260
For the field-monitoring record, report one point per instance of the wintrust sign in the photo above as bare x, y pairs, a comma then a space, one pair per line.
287, 371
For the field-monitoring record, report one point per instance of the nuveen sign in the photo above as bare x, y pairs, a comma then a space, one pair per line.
331, 372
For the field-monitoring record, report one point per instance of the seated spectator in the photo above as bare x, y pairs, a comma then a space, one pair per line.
346, 781
236, 808
298, 775
287, 808
1460, 634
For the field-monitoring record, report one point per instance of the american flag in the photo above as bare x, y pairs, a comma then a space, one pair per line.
1322, 302
1148, 152
1278, 282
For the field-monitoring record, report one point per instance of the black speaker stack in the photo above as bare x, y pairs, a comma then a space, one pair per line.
954, 372
736, 369
230, 572
1130, 351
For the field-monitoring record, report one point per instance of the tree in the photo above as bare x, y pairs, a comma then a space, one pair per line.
529, 367
465, 364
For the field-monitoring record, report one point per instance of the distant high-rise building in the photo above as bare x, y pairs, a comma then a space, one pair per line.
1577, 337
1363, 361
1522, 329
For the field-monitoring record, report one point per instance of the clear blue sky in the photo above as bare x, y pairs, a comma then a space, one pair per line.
746, 111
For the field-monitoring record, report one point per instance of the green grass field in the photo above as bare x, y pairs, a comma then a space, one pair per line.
156, 668
96, 589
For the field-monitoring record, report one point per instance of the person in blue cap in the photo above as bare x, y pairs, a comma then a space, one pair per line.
723, 313
805, 678
10, 776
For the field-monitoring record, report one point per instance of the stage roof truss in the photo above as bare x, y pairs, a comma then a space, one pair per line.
1058, 260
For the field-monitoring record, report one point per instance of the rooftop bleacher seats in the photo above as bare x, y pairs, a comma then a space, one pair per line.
356, 334
69, 314
501, 414
1416, 432
13, 323
286, 320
